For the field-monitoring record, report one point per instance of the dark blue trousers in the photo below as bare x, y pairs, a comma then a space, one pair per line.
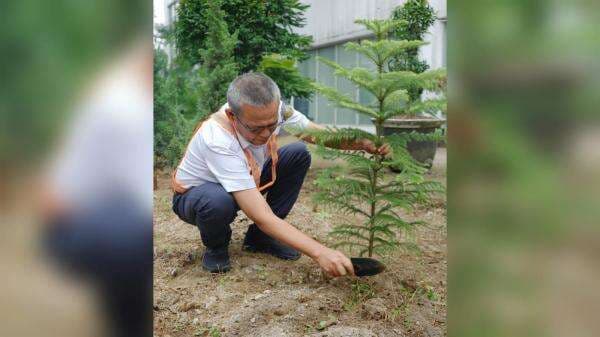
111, 247
212, 209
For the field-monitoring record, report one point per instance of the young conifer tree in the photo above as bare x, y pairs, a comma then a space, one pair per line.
366, 188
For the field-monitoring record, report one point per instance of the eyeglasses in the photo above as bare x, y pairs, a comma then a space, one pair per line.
259, 129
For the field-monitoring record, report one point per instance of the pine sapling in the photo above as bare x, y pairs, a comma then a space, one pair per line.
367, 189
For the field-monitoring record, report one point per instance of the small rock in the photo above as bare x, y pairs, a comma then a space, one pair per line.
409, 284
424, 325
209, 302
174, 272
175, 299
235, 318
303, 298
272, 331
390, 333
433, 331
279, 311
187, 306
345, 331
322, 325
375, 308
253, 319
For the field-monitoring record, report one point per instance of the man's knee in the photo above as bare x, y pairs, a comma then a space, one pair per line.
299, 152
217, 205
222, 206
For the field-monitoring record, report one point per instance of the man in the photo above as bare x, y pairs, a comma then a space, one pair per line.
232, 159
97, 194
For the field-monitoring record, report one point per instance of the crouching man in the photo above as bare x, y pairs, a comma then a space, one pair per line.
233, 160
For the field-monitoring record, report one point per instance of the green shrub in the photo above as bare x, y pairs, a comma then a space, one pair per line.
263, 28
417, 16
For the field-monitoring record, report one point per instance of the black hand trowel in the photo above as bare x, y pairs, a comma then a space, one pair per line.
364, 266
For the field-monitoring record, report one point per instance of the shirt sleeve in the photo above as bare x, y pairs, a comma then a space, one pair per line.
295, 119
229, 168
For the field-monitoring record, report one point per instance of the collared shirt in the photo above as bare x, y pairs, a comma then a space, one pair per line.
215, 155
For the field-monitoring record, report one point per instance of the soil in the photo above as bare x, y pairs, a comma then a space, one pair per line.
265, 296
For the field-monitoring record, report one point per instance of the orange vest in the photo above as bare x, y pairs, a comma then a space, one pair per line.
255, 171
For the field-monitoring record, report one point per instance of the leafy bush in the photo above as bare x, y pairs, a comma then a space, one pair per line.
175, 101
418, 16
186, 94
284, 70
263, 28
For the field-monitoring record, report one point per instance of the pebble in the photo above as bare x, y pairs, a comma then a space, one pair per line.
375, 308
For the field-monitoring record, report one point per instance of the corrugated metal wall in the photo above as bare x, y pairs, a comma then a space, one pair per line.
331, 24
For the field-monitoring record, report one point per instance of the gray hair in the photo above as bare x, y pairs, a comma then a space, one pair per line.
256, 89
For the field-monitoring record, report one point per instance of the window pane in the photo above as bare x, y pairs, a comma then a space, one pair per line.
347, 60
325, 110
302, 105
307, 68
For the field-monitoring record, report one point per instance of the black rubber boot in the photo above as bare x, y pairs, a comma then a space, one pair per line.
216, 260
258, 242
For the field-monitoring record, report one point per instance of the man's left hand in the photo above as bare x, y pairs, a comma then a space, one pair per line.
370, 147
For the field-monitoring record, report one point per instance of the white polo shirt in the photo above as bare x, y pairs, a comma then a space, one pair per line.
214, 155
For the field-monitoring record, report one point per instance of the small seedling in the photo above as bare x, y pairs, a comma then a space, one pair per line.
210, 331
431, 295
214, 332
361, 292
322, 325
308, 328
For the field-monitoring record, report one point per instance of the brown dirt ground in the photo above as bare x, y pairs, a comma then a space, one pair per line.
264, 296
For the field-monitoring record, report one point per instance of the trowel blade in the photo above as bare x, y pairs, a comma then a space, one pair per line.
365, 266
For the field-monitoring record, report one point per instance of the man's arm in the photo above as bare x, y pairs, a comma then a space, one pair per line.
256, 208
359, 144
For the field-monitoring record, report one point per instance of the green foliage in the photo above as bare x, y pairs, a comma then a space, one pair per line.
418, 16
364, 190
361, 291
49, 62
263, 27
185, 94
218, 67
175, 101
283, 70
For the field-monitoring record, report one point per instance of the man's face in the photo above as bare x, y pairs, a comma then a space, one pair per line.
256, 124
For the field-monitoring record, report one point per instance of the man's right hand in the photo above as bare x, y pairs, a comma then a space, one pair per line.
256, 208
334, 262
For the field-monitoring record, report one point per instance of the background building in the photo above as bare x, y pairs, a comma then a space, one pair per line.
331, 24
165, 13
